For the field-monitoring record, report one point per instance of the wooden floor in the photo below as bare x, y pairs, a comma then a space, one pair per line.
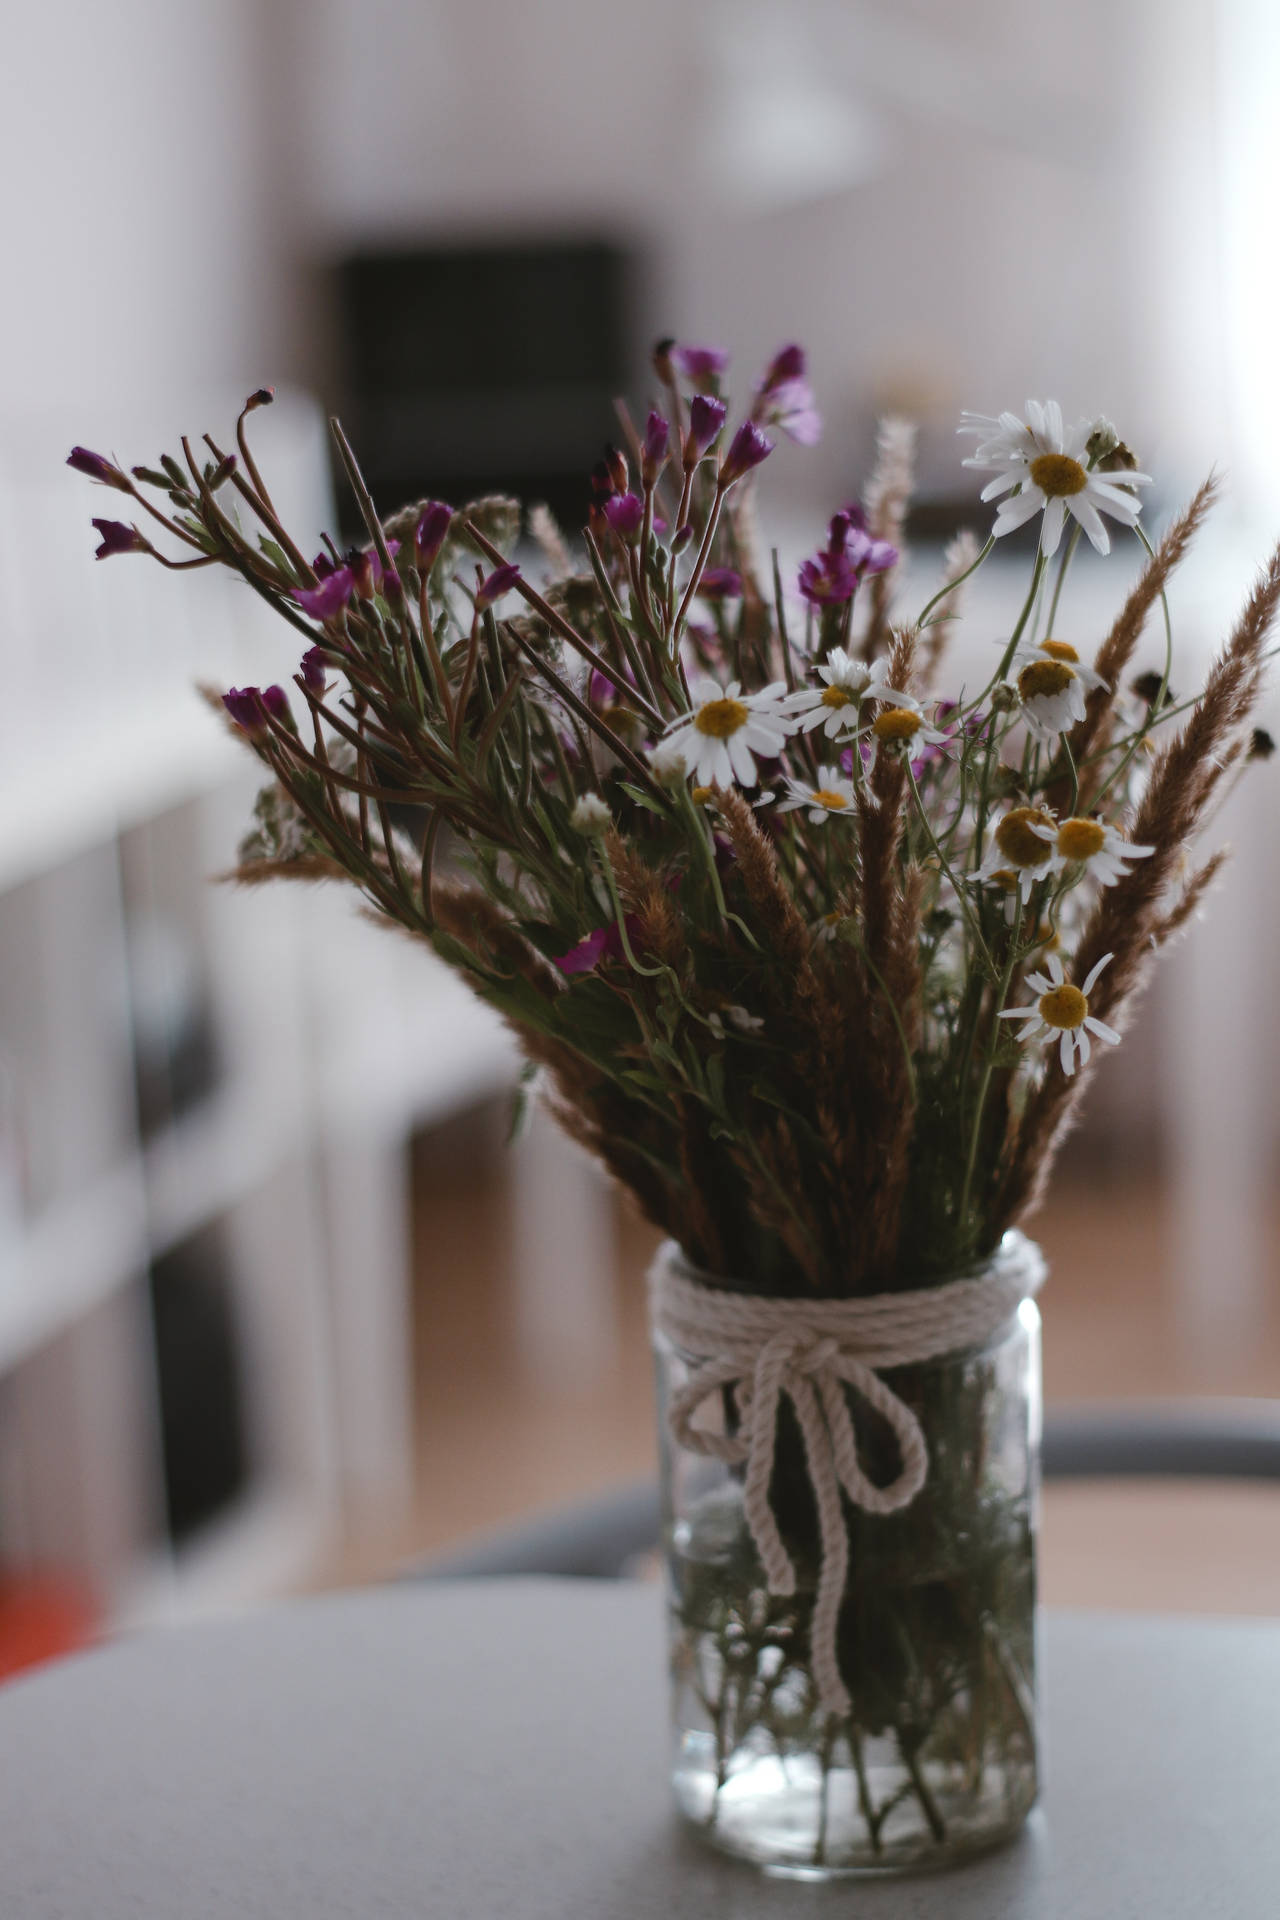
495, 1439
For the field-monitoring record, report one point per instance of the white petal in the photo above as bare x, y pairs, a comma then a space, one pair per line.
1101, 1028
1087, 514
1066, 1052
1001, 484
1083, 1045
739, 755
1095, 971
1051, 533
1056, 969
1016, 512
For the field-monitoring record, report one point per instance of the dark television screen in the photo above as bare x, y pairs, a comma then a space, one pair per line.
473, 369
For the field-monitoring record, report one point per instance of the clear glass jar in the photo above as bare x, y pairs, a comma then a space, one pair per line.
936, 1638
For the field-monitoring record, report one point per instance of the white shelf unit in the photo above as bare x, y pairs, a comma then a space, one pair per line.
326, 1043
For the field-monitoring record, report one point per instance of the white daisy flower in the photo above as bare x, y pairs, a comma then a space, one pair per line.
1062, 1010
828, 927
1024, 846
1100, 850
590, 815
849, 681
831, 793
1052, 681
719, 739
1050, 474
903, 725
1000, 436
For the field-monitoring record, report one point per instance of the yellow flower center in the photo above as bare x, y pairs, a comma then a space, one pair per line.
1058, 475
836, 697
1060, 650
1017, 842
832, 919
1004, 877
720, 718
825, 797
1063, 1007
1080, 839
897, 723
700, 796
1043, 678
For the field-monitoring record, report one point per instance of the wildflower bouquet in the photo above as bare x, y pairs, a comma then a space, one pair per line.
812, 945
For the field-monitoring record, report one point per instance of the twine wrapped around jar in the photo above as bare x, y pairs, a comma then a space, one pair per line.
761, 1348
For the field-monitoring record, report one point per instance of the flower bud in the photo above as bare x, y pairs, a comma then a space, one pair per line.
681, 538
313, 668
262, 398
359, 564
276, 702
245, 705
1261, 744
615, 466
788, 364
500, 581
657, 437
591, 815
746, 450
662, 360
430, 534
98, 468
1004, 698
706, 422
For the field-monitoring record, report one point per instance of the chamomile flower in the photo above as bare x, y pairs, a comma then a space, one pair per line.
830, 793
902, 724
1100, 850
1023, 851
1042, 467
1062, 1011
849, 681
591, 815
1052, 681
719, 740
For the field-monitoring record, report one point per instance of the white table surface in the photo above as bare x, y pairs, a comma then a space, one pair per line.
485, 1749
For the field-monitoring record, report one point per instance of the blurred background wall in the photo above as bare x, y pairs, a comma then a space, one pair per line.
951, 205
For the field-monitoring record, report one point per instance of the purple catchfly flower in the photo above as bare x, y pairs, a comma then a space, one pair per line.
720, 583
657, 441
866, 554
746, 450
500, 581
787, 364
98, 468
605, 943
625, 514
276, 702
245, 705
706, 422
323, 565
700, 365
330, 597
430, 533
827, 580
792, 409
116, 537
314, 669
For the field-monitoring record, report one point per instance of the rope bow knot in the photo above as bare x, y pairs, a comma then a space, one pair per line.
759, 1349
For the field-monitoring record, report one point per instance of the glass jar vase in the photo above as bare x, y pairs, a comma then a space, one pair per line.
935, 1755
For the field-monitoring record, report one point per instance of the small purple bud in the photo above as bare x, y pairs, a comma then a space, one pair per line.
827, 580
97, 468
746, 450
276, 702
681, 538
625, 514
868, 555
701, 365
430, 533
392, 586
657, 438
706, 422
720, 583
500, 581
792, 409
329, 598
245, 705
314, 669
117, 538
322, 566
788, 364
